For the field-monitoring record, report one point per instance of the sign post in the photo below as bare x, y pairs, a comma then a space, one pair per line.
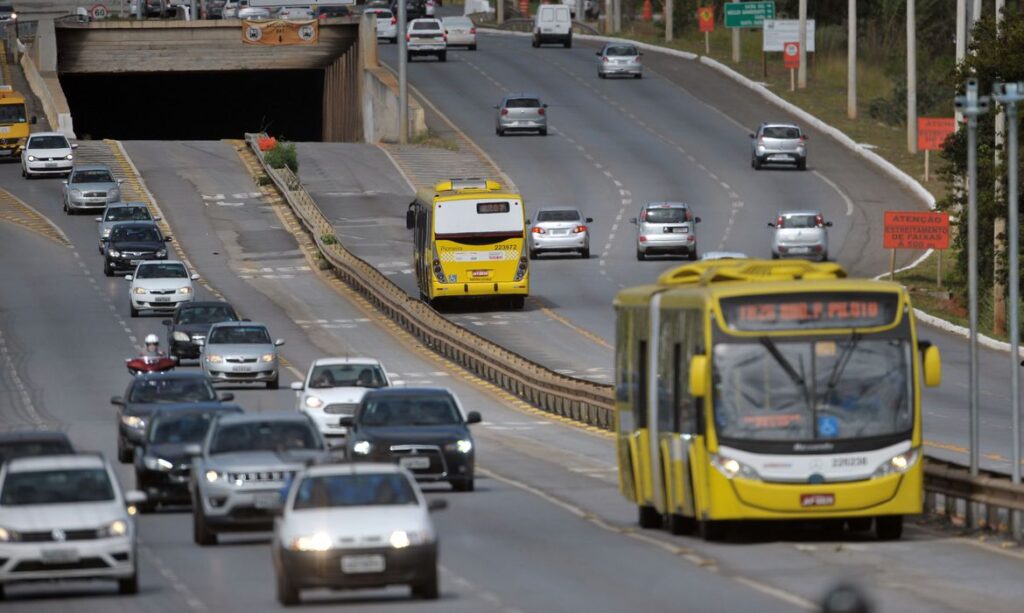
740, 15
931, 133
706, 20
791, 59
914, 230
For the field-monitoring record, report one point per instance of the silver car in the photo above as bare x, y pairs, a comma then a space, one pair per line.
90, 186
666, 227
619, 59
521, 113
802, 234
241, 352
64, 517
775, 143
461, 31
560, 229
118, 212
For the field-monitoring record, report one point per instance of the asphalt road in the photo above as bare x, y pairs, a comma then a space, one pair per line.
546, 530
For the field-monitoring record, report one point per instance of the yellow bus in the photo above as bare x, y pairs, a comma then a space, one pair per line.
469, 238
14, 121
769, 390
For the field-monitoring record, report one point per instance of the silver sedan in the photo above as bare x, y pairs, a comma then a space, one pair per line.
620, 59
90, 186
560, 229
241, 352
521, 113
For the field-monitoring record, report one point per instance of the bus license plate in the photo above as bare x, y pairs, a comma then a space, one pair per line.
362, 564
817, 500
481, 273
414, 463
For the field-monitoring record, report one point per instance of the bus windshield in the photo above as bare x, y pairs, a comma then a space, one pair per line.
490, 217
813, 390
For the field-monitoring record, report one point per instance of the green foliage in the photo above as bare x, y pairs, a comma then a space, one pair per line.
283, 154
264, 180
328, 239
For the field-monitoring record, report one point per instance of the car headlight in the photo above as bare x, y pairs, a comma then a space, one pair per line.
731, 467
214, 359
161, 253
267, 357
106, 232
898, 464
181, 337
118, 527
140, 290
153, 463
321, 541
361, 448
134, 422
77, 193
399, 539
114, 253
313, 402
114, 192
31, 158
8, 536
462, 446
185, 290
212, 475
69, 157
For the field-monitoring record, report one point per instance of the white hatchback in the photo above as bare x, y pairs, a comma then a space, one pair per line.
47, 153
160, 285
387, 24
334, 387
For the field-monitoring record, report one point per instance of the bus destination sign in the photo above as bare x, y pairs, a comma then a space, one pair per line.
803, 311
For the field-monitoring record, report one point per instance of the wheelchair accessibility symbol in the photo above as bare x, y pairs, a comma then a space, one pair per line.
828, 426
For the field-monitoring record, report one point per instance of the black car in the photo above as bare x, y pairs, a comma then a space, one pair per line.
131, 242
187, 330
147, 393
19, 444
332, 12
163, 461
423, 429
414, 9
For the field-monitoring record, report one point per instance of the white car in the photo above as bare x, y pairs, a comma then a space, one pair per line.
296, 13
387, 24
160, 285
461, 31
426, 37
334, 387
47, 153
358, 525
64, 517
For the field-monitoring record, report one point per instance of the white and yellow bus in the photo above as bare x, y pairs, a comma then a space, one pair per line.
470, 241
770, 390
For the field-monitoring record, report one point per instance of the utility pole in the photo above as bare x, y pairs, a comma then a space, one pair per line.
403, 84
961, 40
669, 11
911, 77
500, 7
851, 60
801, 76
999, 227
1010, 95
618, 15
972, 105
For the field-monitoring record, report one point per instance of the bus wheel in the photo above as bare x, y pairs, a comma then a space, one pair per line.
649, 517
517, 302
713, 530
681, 524
889, 527
858, 524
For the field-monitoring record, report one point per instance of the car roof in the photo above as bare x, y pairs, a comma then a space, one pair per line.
558, 208
51, 462
521, 95
238, 324
159, 262
355, 360
799, 212
136, 224
78, 167
354, 468
32, 435
226, 409
205, 303
248, 418
724, 255
667, 205
409, 391
122, 205
778, 124
182, 374
47, 134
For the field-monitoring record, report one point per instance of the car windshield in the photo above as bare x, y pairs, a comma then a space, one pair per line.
161, 271
432, 410
563, 215
128, 213
799, 221
57, 487
92, 176
329, 491
666, 215
239, 335
347, 375
48, 142
814, 390
780, 132
621, 50
181, 428
461, 22
383, 14
426, 25
263, 436
18, 449
171, 389
12, 113
140, 234
522, 103
206, 315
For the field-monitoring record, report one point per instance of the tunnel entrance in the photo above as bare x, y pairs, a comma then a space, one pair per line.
197, 105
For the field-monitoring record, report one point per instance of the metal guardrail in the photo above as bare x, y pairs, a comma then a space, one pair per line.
949, 488
576, 399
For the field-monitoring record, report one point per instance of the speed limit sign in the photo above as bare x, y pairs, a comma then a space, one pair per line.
791, 55
98, 11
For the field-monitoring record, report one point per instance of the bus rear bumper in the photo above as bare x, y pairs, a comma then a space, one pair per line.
482, 288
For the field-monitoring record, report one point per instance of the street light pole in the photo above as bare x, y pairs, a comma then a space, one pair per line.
851, 60
911, 77
972, 105
1010, 96
403, 85
801, 72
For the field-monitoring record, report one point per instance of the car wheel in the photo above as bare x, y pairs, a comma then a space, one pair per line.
64, 205
801, 165
273, 385
858, 524
638, 75
125, 455
543, 131
443, 56
408, 57
889, 527
129, 585
472, 47
568, 44
394, 41
775, 256
602, 75
107, 270
713, 530
533, 254
755, 162
692, 255
427, 588
23, 175
649, 517
499, 131
134, 311
585, 254
640, 255
287, 594
201, 533
464, 485
535, 43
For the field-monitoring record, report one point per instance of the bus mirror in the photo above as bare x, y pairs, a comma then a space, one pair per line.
698, 376
410, 219
932, 367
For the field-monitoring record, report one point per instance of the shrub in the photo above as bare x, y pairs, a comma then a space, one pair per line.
283, 154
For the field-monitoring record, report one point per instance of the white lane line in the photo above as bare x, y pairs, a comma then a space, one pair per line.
617, 183
846, 199
615, 227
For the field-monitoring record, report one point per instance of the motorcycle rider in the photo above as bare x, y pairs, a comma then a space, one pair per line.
153, 347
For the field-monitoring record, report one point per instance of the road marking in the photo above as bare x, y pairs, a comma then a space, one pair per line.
842, 194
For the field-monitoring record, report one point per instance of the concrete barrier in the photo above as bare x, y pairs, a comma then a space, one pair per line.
380, 94
51, 96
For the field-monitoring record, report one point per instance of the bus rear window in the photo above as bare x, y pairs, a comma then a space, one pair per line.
484, 208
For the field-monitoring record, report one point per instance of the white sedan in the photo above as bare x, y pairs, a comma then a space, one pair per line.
359, 525
461, 31
160, 286
334, 387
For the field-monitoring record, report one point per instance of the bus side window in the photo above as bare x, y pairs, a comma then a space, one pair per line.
688, 408
678, 419
623, 366
640, 386
410, 216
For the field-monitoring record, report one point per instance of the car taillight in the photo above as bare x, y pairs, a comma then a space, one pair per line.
803, 139
504, 111
819, 221
778, 222
394, 21
605, 60
579, 229
472, 30
643, 239
643, 215
407, 38
540, 111
537, 230
444, 36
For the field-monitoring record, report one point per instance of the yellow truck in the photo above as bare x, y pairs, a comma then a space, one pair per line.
14, 121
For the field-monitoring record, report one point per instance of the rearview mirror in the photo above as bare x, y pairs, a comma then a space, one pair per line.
74, 145
771, 225
699, 376
297, 386
120, 181
192, 450
279, 342
194, 277
65, 181
227, 397
34, 120
473, 417
119, 401
828, 224
597, 53
696, 220
753, 136
167, 239
590, 220
410, 219
932, 366
544, 106
437, 504
528, 222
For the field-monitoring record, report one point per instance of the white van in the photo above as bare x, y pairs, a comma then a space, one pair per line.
552, 24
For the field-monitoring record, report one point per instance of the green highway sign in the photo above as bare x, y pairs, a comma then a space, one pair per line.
748, 14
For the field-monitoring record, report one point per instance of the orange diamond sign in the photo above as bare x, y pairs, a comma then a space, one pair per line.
706, 18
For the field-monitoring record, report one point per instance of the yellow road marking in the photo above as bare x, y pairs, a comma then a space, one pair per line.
18, 212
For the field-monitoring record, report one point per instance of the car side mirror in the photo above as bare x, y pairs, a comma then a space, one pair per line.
167, 322
192, 450
597, 53
227, 397
771, 225
828, 224
590, 220
157, 218
753, 136
117, 400
473, 417
194, 277
347, 421
632, 220
696, 220
297, 386
129, 277
34, 120
99, 219
74, 145
544, 106
168, 239
437, 504
134, 497
279, 342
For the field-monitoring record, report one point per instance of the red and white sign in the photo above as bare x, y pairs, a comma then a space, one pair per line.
791, 55
98, 11
915, 230
933, 131
706, 18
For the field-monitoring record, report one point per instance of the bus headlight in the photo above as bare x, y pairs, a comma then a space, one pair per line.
898, 464
731, 467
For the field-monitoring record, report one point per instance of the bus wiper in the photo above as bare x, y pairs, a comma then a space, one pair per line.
844, 359
791, 372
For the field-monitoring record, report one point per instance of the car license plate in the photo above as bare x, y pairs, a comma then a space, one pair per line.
800, 250
242, 369
51, 164
559, 232
267, 500
59, 556
162, 299
134, 262
362, 564
414, 463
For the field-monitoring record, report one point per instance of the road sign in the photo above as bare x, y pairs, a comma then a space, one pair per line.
933, 131
98, 12
748, 14
916, 230
791, 55
706, 18
776, 32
